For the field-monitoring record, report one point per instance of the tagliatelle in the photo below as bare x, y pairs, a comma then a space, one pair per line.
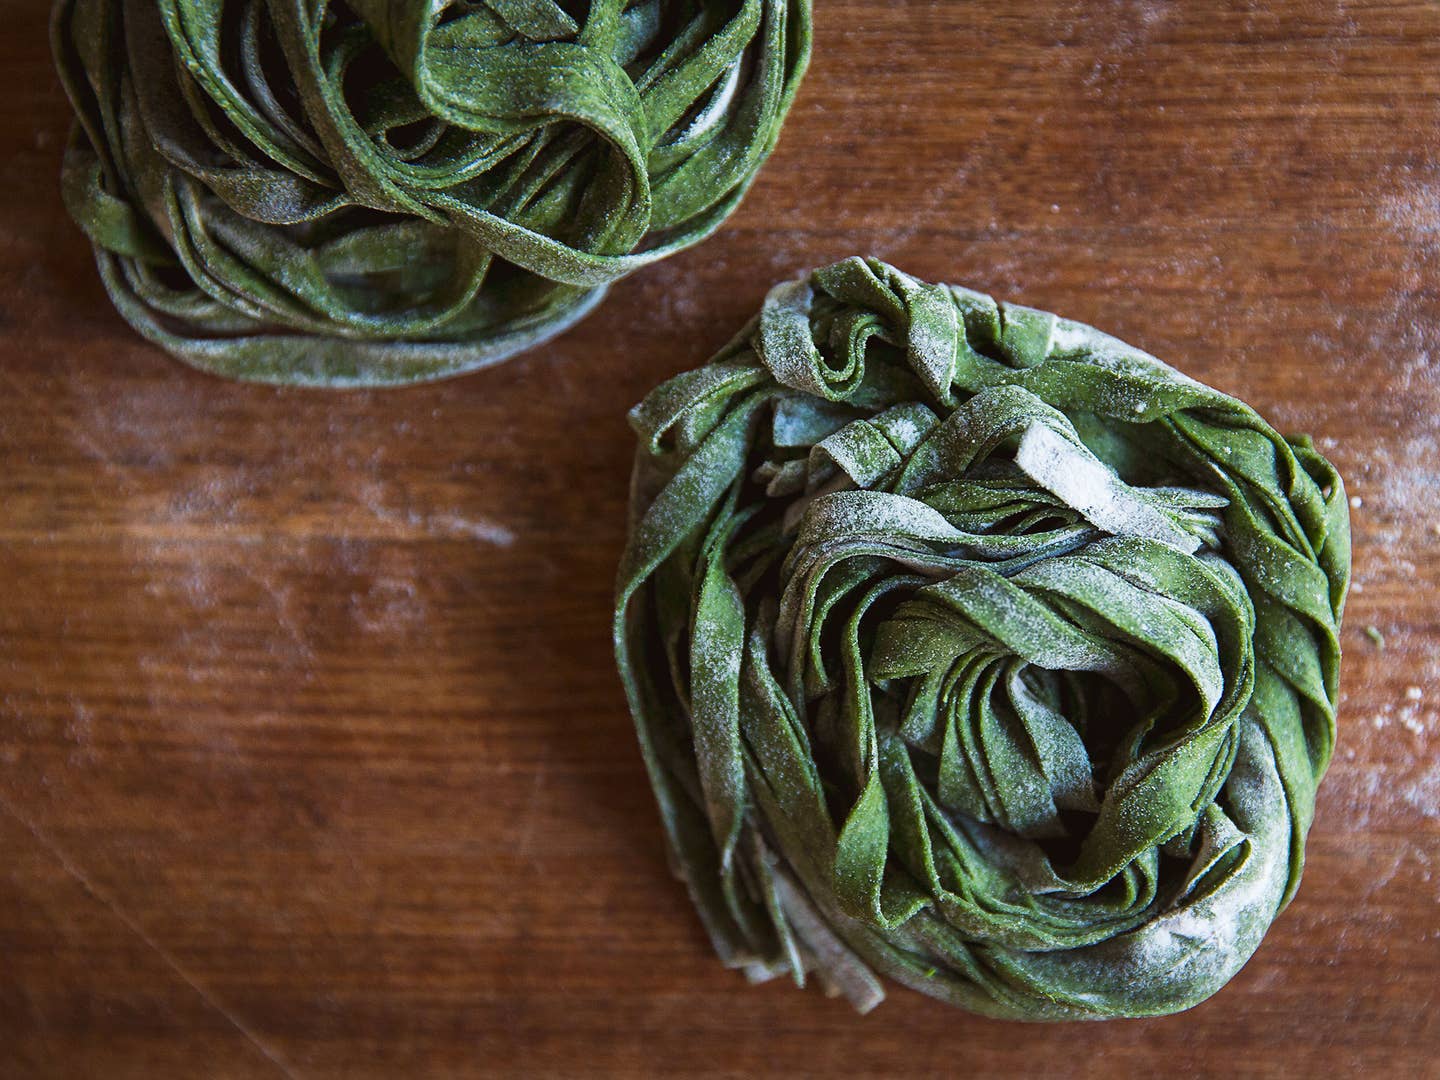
379, 192
972, 647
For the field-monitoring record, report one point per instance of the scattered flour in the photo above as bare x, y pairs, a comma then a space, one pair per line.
456, 525
439, 526
1413, 713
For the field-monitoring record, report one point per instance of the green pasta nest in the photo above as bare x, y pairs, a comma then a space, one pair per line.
383, 191
972, 647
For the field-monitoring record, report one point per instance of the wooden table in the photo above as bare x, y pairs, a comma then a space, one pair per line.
313, 761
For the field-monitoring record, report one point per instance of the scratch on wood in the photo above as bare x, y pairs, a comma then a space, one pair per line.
130, 924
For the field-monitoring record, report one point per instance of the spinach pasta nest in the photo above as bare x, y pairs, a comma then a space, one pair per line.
972, 647
383, 191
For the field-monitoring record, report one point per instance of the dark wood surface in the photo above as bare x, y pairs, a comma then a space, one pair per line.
313, 761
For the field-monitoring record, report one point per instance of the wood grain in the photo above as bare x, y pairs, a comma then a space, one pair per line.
312, 757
